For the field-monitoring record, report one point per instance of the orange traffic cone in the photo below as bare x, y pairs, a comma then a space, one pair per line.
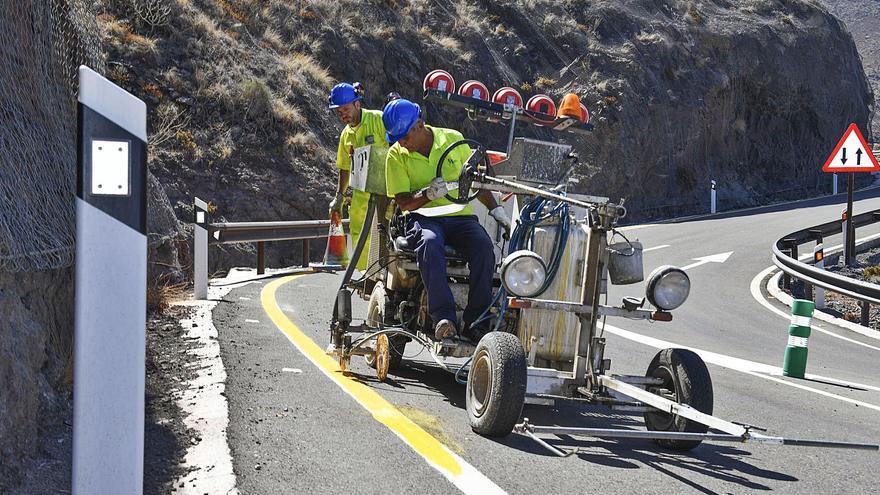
336, 255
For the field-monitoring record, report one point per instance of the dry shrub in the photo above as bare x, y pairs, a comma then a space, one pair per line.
301, 141
254, 99
151, 14
525, 86
119, 74
287, 114
871, 274
544, 82
185, 138
161, 294
169, 119
232, 11
153, 90
303, 64
307, 14
272, 39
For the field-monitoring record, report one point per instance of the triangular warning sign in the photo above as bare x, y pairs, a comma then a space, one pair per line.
852, 154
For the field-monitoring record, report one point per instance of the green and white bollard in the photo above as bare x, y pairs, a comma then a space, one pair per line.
795, 363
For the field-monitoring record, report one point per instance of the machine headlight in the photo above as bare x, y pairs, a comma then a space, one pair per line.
668, 287
523, 273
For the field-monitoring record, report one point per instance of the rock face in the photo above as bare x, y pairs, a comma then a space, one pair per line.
752, 94
36, 361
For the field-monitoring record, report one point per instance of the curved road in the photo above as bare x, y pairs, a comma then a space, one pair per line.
296, 425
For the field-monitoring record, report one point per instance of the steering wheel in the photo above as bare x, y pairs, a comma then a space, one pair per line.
468, 169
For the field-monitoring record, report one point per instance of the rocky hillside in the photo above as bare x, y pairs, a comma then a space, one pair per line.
681, 92
862, 18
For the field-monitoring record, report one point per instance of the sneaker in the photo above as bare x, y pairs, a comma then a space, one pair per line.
445, 329
331, 349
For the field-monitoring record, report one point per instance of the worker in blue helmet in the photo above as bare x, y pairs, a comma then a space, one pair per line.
433, 221
363, 129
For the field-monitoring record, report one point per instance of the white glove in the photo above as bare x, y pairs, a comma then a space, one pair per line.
337, 202
436, 189
501, 217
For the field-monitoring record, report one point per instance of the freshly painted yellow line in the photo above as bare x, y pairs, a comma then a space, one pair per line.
383, 411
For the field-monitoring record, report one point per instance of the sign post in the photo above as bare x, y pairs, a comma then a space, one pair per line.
111, 282
851, 155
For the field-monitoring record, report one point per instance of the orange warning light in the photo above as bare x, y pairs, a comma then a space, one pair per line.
571, 107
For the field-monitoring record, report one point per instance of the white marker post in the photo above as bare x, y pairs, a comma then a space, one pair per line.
834, 185
713, 198
200, 250
111, 280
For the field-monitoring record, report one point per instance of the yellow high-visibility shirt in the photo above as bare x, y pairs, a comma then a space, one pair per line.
371, 131
408, 171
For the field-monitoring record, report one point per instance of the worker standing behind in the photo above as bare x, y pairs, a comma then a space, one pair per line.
363, 131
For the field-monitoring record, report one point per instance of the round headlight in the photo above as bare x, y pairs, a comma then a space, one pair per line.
523, 273
668, 287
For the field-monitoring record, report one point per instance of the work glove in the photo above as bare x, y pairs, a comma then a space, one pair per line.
436, 189
501, 217
337, 202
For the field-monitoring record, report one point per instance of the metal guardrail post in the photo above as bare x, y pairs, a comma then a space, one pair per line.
818, 262
261, 258
866, 313
791, 245
200, 249
305, 254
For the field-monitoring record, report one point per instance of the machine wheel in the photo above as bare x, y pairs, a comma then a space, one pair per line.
375, 318
686, 380
496, 386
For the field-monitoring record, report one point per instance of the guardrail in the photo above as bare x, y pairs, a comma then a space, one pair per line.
785, 256
208, 233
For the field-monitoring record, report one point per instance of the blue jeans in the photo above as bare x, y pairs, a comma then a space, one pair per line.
467, 236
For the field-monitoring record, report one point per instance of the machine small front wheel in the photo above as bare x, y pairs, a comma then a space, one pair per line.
686, 380
375, 318
496, 386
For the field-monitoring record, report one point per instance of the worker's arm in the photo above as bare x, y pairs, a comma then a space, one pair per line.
411, 201
488, 199
342, 184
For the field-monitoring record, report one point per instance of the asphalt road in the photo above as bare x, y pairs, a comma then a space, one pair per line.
298, 426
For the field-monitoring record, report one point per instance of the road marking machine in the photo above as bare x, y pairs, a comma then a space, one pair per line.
547, 343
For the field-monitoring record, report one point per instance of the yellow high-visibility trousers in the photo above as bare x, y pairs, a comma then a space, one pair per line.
356, 214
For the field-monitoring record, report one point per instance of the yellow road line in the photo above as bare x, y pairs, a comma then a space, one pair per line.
459, 472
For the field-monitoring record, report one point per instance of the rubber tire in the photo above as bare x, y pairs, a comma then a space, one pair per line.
496, 386
688, 377
375, 316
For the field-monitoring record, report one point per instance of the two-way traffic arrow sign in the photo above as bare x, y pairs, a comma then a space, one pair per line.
852, 154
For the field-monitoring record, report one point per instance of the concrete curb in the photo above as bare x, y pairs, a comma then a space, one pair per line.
774, 290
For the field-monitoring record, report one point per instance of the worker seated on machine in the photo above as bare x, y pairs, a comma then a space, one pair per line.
410, 177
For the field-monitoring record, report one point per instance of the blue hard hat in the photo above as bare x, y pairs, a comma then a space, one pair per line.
399, 117
342, 94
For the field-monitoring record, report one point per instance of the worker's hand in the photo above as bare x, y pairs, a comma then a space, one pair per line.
501, 217
436, 189
337, 202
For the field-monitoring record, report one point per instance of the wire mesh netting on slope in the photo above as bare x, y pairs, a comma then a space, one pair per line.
42, 43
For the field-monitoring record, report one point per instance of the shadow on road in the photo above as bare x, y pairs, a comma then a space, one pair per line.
726, 463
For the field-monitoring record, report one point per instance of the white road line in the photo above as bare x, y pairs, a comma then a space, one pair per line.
744, 366
654, 248
755, 288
